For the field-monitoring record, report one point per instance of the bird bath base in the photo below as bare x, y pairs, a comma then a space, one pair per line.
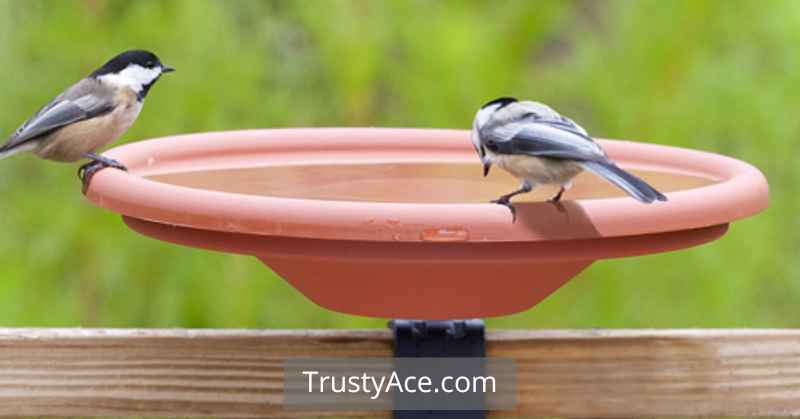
394, 222
469, 279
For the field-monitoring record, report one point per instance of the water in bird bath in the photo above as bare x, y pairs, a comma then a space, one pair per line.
452, 182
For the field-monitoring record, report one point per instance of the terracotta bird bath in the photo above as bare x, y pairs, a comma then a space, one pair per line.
395, 222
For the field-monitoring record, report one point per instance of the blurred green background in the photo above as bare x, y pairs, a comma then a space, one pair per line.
720, 75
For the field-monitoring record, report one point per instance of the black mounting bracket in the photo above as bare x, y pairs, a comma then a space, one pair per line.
438, 339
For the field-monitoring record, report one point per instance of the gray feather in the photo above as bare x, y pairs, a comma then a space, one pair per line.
86, 99
535, 129
535, 112
631, 184
541, 140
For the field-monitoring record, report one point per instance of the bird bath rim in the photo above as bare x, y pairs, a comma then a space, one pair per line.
740, 190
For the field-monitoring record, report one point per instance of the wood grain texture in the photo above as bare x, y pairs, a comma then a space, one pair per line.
238, 373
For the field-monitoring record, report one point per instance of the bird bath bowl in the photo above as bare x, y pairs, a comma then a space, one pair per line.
395, 222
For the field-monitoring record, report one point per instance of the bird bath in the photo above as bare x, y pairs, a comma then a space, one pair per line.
396, 222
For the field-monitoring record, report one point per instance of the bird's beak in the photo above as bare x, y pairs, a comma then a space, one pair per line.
486, 166
167, 69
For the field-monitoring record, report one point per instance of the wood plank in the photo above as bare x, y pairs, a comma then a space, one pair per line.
238, 373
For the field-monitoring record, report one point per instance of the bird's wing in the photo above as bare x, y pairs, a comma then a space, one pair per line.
543, 114
77, 104
562, 122
557, 138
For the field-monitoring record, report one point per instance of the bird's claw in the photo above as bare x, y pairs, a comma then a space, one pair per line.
557, 197
557, 202
506, 202
88, 170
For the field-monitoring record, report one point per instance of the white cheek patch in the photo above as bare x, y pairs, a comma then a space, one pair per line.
476, 137
481, 118
483, 115
134, 76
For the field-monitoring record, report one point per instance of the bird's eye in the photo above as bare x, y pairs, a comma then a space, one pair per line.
150, 64
491, 145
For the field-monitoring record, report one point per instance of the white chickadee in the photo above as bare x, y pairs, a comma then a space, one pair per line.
90, 114
536, 144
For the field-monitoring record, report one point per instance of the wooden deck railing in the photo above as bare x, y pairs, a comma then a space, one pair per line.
238, 373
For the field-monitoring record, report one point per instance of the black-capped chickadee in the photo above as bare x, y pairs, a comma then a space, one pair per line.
90, 114
536, 144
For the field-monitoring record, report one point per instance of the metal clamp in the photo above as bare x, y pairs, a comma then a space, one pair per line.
438, 339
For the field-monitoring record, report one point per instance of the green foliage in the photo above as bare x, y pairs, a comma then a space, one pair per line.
719, 75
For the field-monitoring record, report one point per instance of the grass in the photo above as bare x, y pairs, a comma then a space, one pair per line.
719, 75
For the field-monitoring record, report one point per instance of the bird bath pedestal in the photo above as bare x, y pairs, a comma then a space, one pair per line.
396, 222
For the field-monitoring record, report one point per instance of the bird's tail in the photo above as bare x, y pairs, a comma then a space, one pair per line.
6, 151
629, 183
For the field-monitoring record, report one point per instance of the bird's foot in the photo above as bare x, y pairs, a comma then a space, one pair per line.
557, 198
506, 202
88, 170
